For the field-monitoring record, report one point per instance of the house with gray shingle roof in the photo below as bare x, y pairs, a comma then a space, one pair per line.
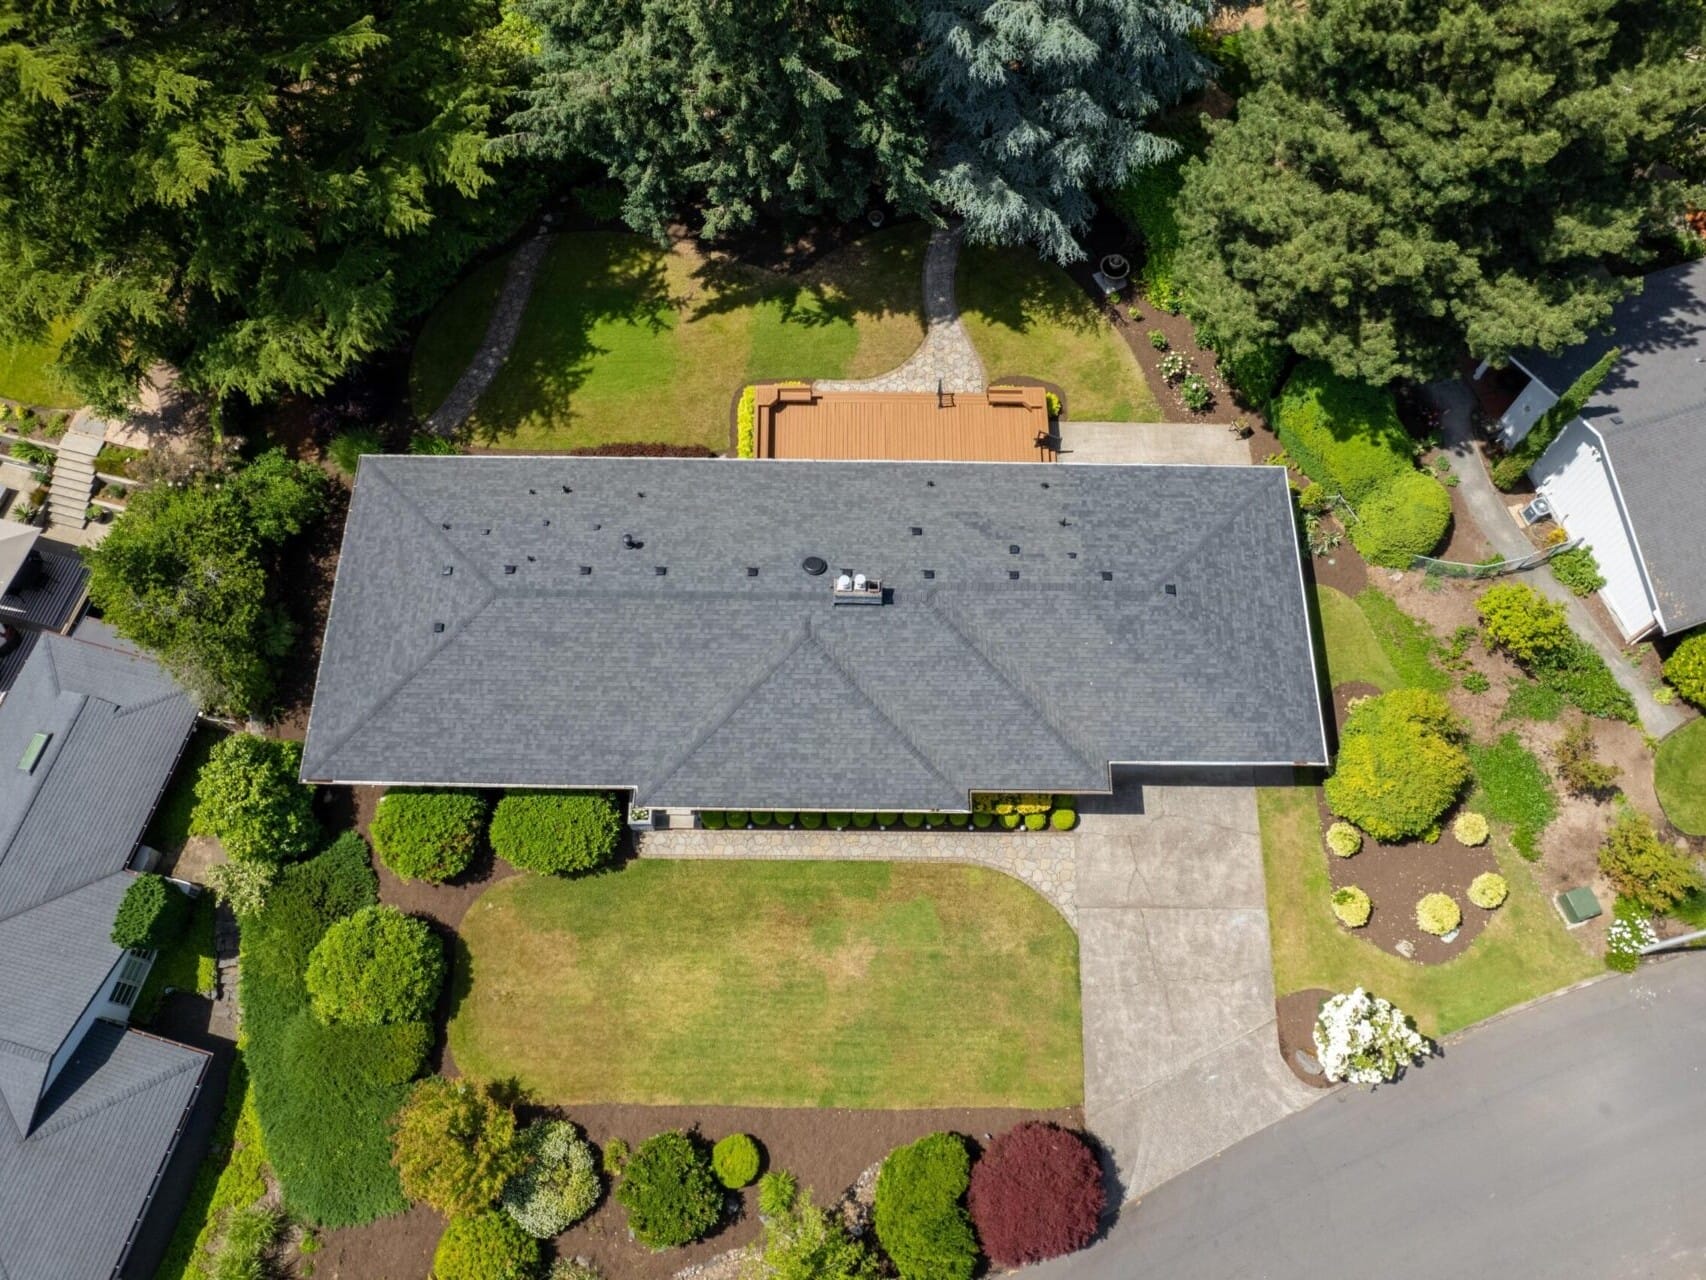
1627, 476
90, 1111
713, 633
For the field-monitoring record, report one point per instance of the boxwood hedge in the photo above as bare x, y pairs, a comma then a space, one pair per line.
557, 832
1344, 433
428, 835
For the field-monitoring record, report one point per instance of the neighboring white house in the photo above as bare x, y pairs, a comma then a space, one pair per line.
1628, 476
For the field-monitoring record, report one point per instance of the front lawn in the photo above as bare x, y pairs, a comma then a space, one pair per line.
1524, 951
1354, 652
1680, 776
626, 341
822, 984
1028, 318
27, 374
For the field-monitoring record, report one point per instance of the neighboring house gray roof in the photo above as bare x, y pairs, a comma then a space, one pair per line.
50, 591
1651, 413
489, 627
71, 1194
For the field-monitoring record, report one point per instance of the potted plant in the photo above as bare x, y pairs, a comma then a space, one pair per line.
639, 818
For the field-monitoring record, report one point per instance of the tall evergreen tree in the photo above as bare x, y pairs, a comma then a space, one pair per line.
1039, 102
728, 107
256, 191
1410, 176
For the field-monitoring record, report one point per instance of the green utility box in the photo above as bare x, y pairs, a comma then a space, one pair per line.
1578, 905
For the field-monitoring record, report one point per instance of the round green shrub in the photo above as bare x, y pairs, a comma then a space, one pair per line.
1686, 668
1063, 819
762, 818
556, 832
1352, 906
1405, 517
485, 1246
983, 821
887, 819
1401, 765
1010, 820
712, 819
670, 1191
811, 821
864, 819
152, 913
777, 1191
1488, 890
1344, 840
839, 821
559, 1184
919, 1216
428, 835
248, 797
375, 967
735, 1160
737, 818
1471, 828
784, 817
1438, 914
913, 820
959, 819
934, 820
1036, 821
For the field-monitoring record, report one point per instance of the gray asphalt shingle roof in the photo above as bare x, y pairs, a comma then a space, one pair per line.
71, 1193
1651, 413
490, 627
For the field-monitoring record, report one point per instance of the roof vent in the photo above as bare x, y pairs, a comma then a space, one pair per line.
814, 565
509, 569
586, 570
660, 569
917, 532
566, 489
33, 751
1013, 574
857, 589
1171, 589
595, 526
547, 524
437, 628
531, 559
1013, 549
752, 571
1107, 576
533, 493
929, 484
446, 524
1072, 555
1045, 484
930, 573
631, 542
449, 569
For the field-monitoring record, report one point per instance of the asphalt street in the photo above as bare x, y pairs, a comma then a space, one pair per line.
1564, 1140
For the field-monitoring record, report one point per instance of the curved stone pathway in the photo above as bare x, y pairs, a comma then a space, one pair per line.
500, 338
946, 359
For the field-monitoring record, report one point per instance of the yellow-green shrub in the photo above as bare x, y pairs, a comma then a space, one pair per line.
1438, 914
1488, 890
1471, 829
746, 424
1352, 906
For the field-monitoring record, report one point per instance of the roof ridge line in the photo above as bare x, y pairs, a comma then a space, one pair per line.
432, 527
732, 703
825, 647
64, 1117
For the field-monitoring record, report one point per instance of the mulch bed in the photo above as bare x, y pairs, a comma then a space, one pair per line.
1396, 876
308, 569
1297, 1013
825, 1150
1343, 569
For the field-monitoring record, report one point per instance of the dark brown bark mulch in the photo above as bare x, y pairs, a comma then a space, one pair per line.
1297, 1013
1342, 569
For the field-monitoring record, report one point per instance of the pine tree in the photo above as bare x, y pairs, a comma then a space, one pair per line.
257, 191
1413, 176
1040, 102
728, 108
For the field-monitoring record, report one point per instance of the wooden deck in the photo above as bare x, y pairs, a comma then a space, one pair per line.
1004, 424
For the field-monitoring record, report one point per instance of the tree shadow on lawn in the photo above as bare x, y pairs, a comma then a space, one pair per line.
875, 277
1012, 289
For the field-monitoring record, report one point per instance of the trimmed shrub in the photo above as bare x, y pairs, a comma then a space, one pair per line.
1404, 518
735, 1160
378, 966
454, 1145
1652, 874
913, 820
777, 1191
1577, 570
746, 424
784, 817
762, 818
485, 1246
558, 1184
1471, 829
919, 1219
887, 819
1063, 819
1686, 668
712, 819
1401, 765
1489, 890
1036, 821
1035, 1193
247, 797
670, 1191
1010, 821
347, 447
811, 821
152, 913
1344, 840
934, 820
864, 819
839, 821
1438, 914
1365, 1040
1351, 906
983, 821
558, 832
1343, 433
1518, 620
736, 819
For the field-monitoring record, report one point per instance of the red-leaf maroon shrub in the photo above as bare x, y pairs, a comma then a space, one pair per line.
1036, 1193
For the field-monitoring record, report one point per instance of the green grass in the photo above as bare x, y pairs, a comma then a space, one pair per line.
1409, 645
626, 341
1523, 953
1028, 319
1511, 786
1680, 777
1531, 700
170, 825
27, 374
231, 1177
1354, 652
186, 965
830, 984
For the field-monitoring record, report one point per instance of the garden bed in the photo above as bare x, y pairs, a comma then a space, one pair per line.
1296, 1014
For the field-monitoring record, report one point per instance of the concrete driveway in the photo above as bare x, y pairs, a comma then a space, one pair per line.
1196, 442
1181, 1050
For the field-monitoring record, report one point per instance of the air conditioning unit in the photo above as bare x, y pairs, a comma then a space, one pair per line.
1536, 511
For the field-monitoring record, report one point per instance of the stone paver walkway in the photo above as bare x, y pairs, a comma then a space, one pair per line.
946, 358
1166, 890
1488, 507
500, 337
1187, 442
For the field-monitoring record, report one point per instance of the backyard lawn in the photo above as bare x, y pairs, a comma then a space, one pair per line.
626, 341
829, 984
1680, 776
1028, 319
1354, 652
1523, 953
26, 373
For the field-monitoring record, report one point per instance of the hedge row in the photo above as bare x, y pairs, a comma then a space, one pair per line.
1059, 818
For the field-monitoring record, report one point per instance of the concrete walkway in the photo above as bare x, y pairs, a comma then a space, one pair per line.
1490, 510
1185, 442
500, 338
946, 358
1165, 887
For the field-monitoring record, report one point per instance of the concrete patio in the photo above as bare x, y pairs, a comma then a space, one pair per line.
1178, 442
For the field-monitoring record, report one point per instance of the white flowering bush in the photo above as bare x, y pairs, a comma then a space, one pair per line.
1624, 938
1365, 1040
558, 1186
